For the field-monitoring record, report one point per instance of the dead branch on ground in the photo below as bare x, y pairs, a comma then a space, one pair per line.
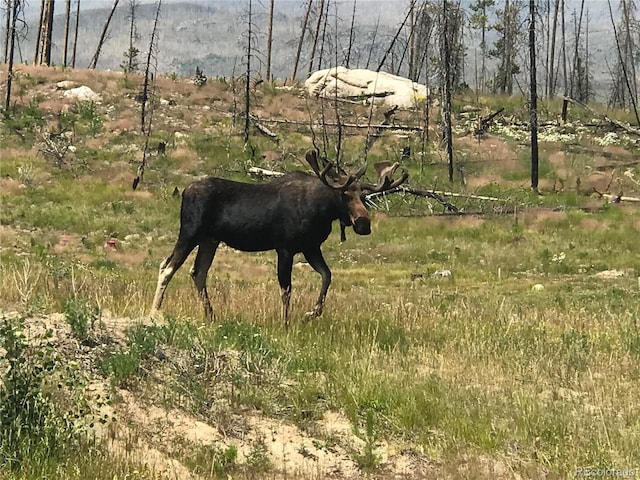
262, 129
485, 122
622, 126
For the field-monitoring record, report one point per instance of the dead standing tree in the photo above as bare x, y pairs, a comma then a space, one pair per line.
316, 35
42, 51
551, 78
67, 16
75, 35
449, 48
148, 95
7, 29
247, 92
622, 90
16, 8
103, 36
130, 63
36, 50
533, 105
269, 40
445, 55
303, 32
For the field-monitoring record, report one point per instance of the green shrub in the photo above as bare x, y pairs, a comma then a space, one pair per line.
81, 315
31, 427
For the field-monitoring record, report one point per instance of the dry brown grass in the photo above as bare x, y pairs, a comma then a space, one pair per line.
498, 154
11, 185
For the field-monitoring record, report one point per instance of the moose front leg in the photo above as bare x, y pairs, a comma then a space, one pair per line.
285, 265
316, 260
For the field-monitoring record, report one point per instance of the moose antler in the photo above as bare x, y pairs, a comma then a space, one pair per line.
386, 170
312, 159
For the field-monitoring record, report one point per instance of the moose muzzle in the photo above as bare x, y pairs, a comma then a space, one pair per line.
361, 225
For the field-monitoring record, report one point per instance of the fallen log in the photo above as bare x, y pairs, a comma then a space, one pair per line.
622, 126
418, 192
262, 129
264, 173
618, 198
382, 126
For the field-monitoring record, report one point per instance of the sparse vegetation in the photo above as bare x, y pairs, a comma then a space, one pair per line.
80, 315
521, 360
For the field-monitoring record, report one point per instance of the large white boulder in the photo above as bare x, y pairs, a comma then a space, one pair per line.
83, 94
353, 83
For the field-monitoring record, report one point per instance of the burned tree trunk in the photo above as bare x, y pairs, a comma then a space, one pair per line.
7, 28
351, 30
552, 71
75, 34
315, 36
36, 50
103, 36
533, 107
145, 126
300, 42
446, 88
147, 98
48, 32
247, 98
269, 40
66, 32
12, 41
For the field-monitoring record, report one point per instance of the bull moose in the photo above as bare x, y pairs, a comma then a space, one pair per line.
291, 214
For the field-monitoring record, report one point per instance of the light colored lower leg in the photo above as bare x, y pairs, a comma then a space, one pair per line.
166, 272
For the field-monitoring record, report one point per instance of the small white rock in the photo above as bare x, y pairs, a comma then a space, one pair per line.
65, 85
538, 287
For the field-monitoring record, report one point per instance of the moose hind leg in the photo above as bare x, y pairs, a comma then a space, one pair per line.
204, 259
167, 269
285, 264
316, 260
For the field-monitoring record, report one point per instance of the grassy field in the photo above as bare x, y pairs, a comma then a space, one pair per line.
501, 343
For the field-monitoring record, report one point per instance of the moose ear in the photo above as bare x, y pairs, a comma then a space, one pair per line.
312, 159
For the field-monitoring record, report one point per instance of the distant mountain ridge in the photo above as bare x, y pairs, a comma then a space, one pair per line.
211, 35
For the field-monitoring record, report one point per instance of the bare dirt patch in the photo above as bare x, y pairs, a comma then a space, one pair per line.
139, 427
493, 150
11, 185
534, 217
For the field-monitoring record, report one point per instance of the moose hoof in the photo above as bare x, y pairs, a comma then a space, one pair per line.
312, 314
